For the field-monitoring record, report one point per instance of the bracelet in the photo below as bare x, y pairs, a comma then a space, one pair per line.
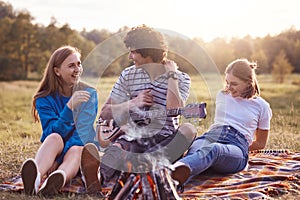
173, 75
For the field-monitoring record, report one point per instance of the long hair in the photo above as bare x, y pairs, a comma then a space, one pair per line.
51, 83
245, 70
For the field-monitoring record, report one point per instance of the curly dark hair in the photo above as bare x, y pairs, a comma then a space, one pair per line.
147, 42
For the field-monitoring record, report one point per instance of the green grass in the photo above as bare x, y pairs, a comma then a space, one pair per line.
19, 136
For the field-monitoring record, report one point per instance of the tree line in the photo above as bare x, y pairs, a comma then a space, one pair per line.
25, 49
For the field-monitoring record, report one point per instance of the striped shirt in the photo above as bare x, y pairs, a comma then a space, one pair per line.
134, 80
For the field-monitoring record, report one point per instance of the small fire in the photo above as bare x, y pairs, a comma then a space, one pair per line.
155, 185
121, 183
144, 176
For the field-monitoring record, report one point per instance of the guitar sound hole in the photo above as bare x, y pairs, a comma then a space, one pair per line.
143, 122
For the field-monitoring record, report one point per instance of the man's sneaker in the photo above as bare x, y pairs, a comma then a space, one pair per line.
89, 166
53, 184
181, 172
30, 176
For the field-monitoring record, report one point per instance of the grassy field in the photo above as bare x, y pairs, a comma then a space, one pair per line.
19, 136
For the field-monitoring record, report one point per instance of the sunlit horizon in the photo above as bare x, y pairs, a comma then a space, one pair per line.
206, 20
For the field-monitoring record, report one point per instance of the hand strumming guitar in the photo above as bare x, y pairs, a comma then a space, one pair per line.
107, 131
144, 99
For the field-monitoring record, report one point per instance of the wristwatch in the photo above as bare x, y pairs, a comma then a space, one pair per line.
173, 75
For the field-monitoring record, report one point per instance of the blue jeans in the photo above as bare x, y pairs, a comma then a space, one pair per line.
223, 149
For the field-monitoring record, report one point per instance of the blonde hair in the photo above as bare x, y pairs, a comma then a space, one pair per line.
245, 70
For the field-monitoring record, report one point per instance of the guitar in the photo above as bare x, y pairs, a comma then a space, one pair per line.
193, 110
143, 118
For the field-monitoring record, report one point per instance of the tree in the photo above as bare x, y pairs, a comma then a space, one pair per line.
281, 67
5, 26
22, 41
296, 55
221, 53
96, 36
261, 59
272, 47
10, 69
6, 10
242, 48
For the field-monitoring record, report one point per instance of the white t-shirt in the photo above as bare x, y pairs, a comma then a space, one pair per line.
245, 115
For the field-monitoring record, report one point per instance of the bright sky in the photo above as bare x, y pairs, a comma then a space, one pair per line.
206, 19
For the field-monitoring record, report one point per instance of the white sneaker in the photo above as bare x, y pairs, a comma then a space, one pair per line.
30, 176
53, 184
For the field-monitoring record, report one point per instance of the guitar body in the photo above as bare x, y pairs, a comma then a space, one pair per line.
143, 118
142, 122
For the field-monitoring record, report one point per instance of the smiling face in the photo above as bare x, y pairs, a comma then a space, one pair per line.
138, 59
70, 70
235, 86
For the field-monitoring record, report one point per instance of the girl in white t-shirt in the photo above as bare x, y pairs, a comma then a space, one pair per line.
242, 123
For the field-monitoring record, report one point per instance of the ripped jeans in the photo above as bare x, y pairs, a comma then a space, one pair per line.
223, 149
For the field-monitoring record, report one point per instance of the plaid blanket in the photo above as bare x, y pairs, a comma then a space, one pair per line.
270, 173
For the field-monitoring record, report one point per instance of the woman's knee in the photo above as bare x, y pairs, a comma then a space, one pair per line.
75, 150
54, 137
188, 130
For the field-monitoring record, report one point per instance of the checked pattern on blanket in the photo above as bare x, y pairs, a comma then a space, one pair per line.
270, 173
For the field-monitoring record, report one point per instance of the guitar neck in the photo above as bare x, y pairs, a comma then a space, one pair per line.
152, 114
189, 111
173, 112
